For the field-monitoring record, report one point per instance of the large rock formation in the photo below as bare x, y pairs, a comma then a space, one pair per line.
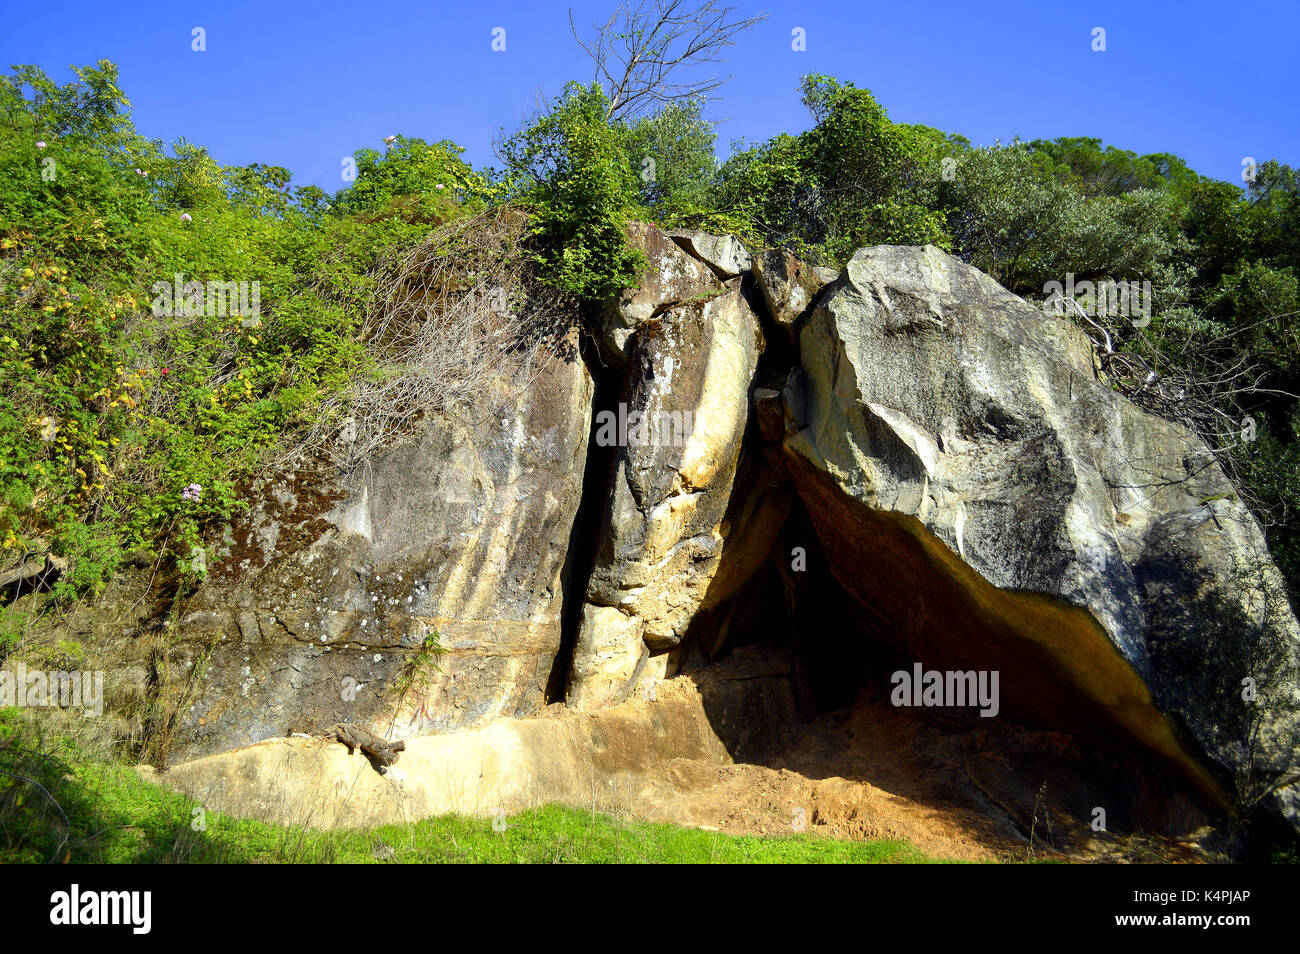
678, 431
330, 589
981, 497
951, 436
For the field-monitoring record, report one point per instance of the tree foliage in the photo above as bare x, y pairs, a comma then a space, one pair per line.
573, 168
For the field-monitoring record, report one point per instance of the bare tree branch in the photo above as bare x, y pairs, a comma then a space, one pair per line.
642, 44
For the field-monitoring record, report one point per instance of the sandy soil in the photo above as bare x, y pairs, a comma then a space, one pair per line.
874, 771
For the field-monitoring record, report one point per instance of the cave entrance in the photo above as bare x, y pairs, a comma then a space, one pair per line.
794, 616
795, 674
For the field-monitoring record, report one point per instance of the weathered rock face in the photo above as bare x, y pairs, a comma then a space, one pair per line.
998, 507
686, 409
671, 276
789, 287
1217, 617
333, 588
722, 253
976, 497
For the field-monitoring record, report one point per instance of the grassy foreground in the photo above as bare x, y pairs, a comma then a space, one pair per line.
107, 814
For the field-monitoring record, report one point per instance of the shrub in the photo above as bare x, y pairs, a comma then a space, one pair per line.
571, 167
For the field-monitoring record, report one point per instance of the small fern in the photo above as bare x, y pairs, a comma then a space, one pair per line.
419, 665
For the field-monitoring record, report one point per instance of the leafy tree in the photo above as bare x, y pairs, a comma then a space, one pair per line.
671, 152
1007, 217
764, 192
1274, 198
432, 177
867, 171
1081, 162
1215, 222
190, 179
90, 109
1259, 305
572, 168
854, 179
264, 190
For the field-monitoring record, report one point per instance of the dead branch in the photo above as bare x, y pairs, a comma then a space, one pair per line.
1207, 389
639, 49
358, 737
459, 323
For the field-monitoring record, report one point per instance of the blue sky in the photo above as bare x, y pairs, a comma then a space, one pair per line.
303, 85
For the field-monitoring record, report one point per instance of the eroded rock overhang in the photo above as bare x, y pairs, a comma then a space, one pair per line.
999, 507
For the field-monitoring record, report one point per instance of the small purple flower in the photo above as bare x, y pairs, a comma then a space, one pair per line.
192, 492
40, 145
438, 186
185, 217
390, 139
141, 172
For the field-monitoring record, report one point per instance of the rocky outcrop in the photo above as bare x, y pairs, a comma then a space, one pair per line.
671, 276
686, 404
788, 286
952, 438
977, 495
319, 610
722, 253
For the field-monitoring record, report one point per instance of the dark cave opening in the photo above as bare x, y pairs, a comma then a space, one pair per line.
795, 673
794, 604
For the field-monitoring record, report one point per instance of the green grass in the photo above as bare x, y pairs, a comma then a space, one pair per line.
115, 817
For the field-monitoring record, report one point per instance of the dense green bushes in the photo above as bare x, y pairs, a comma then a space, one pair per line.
574, 169
116, 396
